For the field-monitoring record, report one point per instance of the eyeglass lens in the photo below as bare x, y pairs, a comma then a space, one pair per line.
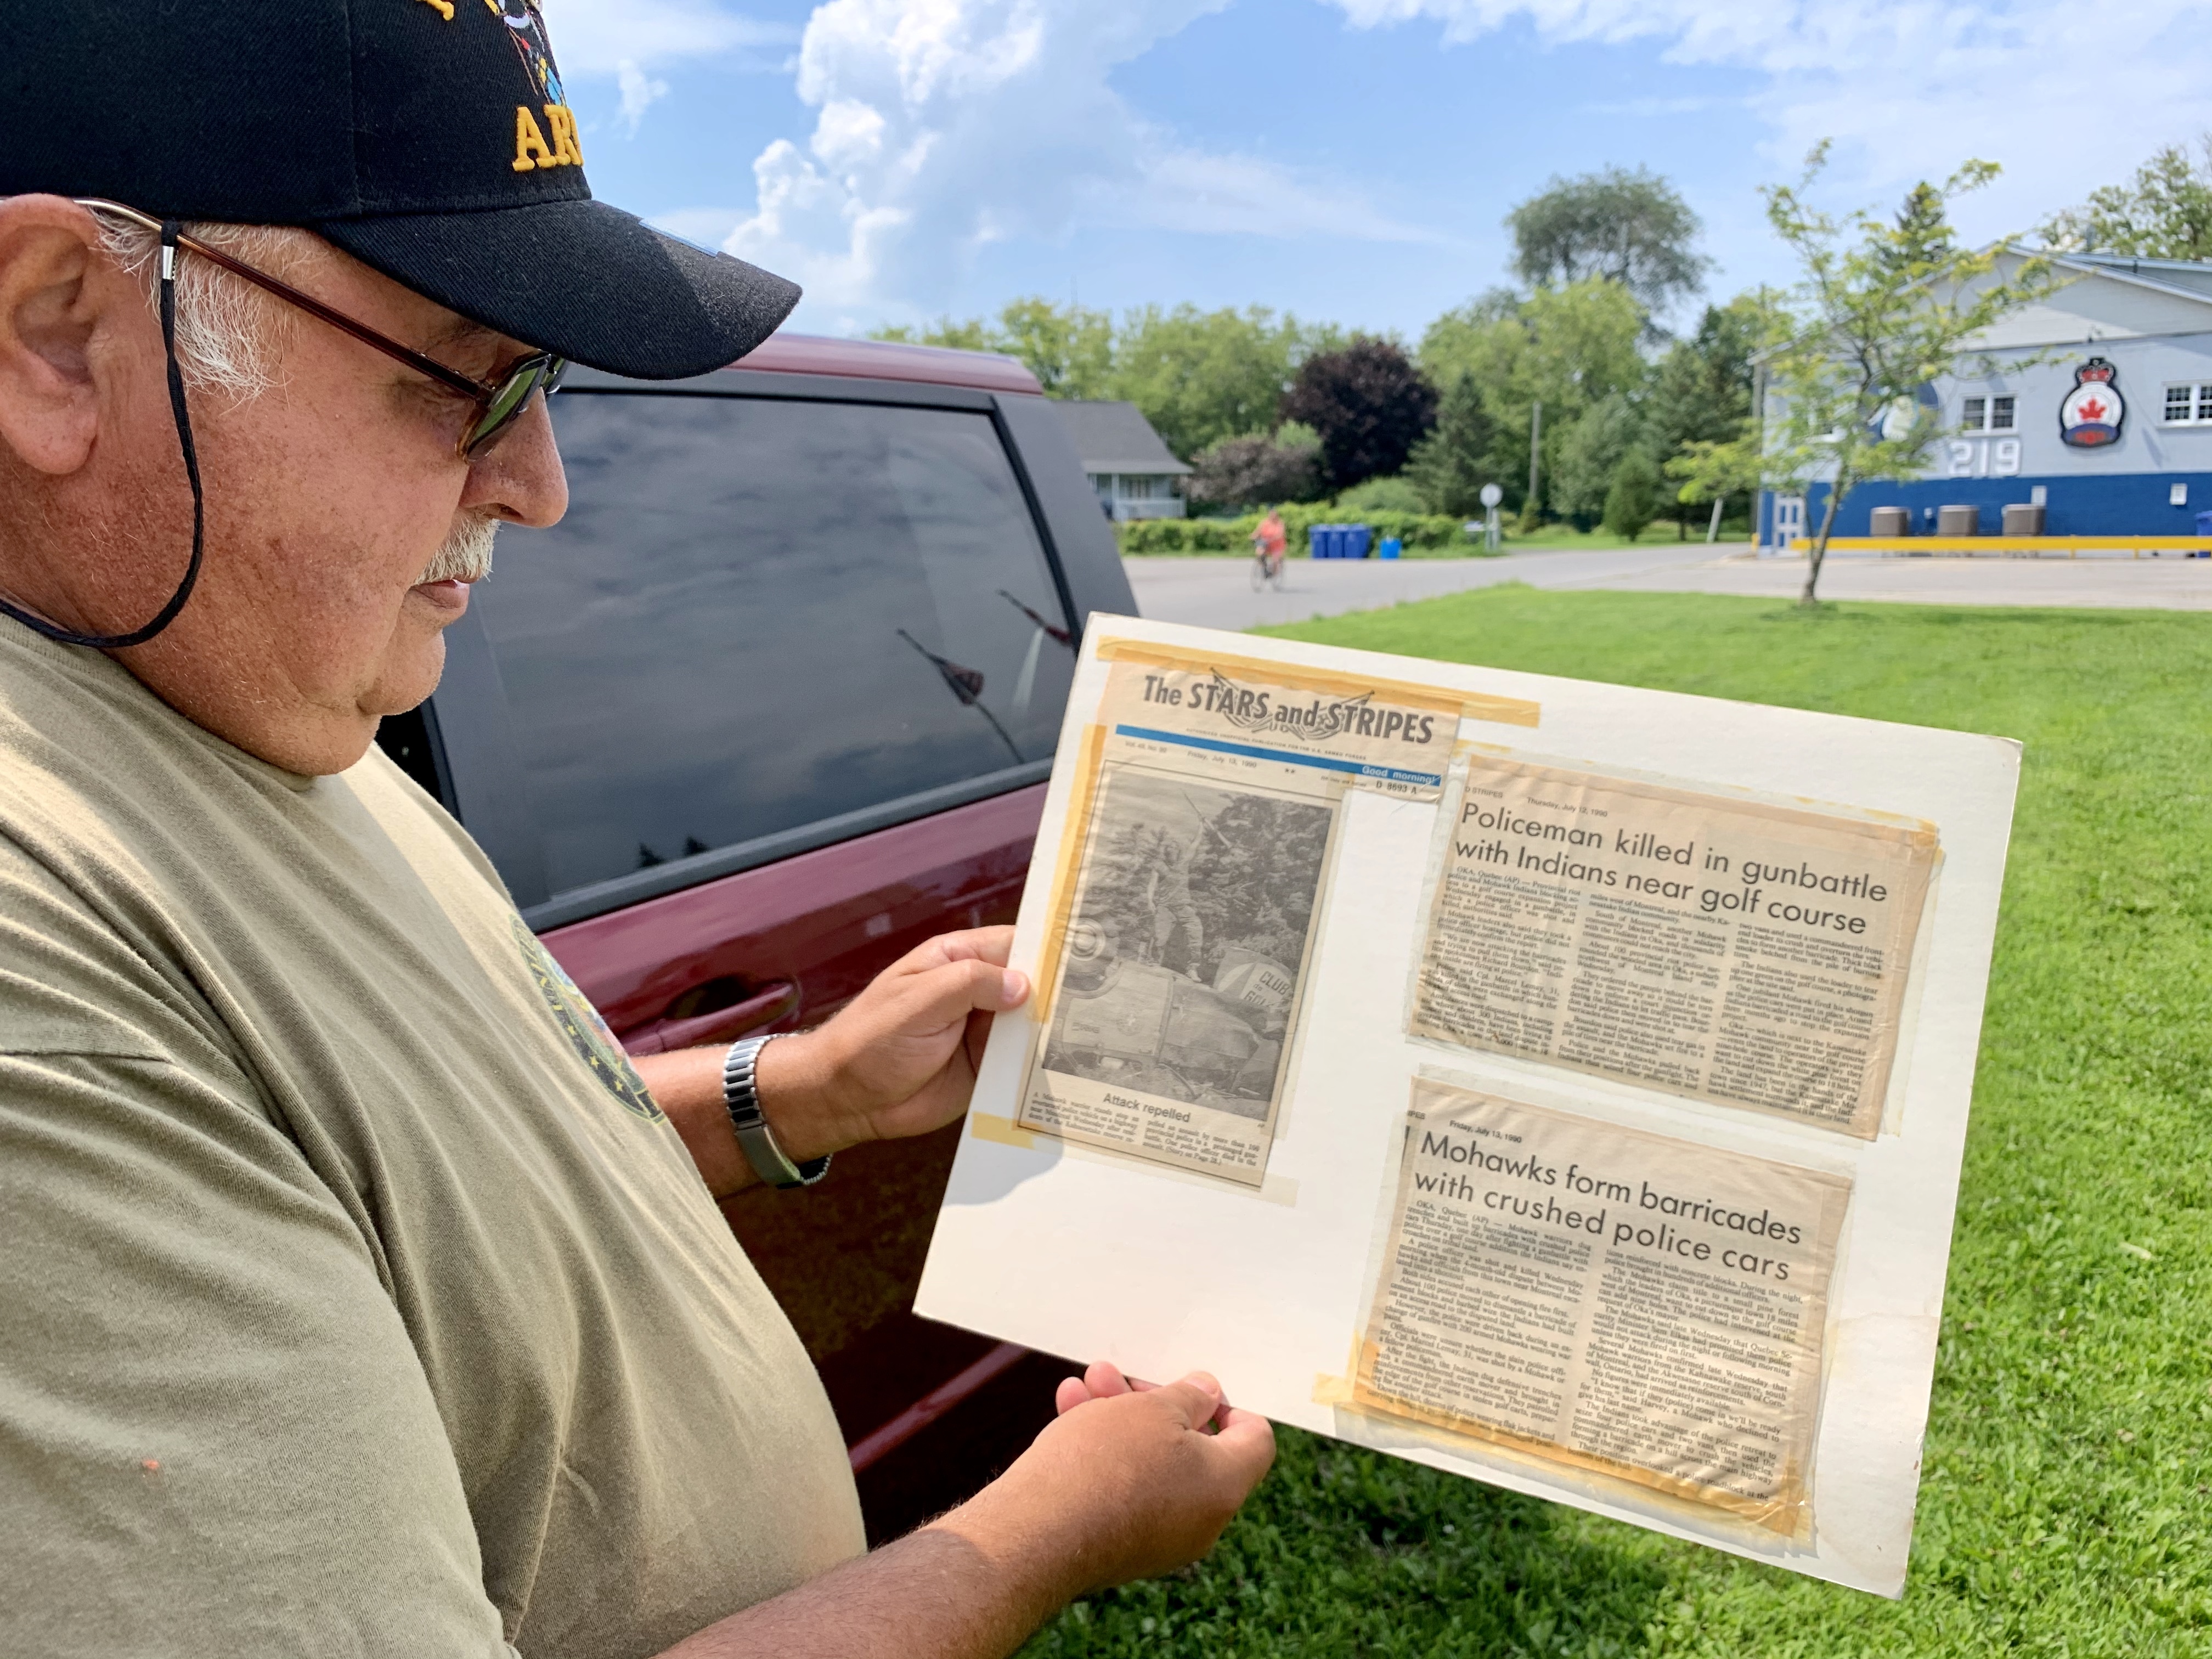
512, 398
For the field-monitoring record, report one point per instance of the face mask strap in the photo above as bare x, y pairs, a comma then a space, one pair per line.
168, 614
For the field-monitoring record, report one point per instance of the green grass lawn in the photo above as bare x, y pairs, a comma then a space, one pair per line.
1565, 538
2066, 1504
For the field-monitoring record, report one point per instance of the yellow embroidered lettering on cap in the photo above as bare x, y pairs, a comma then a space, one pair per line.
563, 121
445, 7
530, 149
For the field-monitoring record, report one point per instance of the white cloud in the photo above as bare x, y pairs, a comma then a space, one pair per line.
598, 37
2067, 95
944, 126
639, 91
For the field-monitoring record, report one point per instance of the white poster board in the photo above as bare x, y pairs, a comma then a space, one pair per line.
1469, 1204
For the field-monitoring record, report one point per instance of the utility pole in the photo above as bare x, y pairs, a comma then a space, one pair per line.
1536, 433
1758, 426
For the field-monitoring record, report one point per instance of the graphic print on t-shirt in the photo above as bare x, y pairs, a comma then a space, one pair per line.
587, 1031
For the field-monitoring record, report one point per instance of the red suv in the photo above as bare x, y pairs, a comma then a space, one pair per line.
773, 704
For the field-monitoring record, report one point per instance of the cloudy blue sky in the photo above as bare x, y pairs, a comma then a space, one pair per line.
1348, 160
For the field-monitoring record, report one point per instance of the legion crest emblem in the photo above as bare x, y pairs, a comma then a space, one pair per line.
2091, 414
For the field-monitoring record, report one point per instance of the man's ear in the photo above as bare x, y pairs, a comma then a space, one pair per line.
61, 300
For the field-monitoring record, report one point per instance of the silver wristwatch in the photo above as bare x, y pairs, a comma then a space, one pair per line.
742, 1096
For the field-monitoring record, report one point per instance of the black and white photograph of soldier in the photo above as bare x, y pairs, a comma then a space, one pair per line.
1189, 935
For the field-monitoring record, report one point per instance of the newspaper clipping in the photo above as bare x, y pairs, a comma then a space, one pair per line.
1177, 969
1617, 1301
1748, 955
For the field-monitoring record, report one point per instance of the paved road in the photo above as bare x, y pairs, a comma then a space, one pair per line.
1216, 592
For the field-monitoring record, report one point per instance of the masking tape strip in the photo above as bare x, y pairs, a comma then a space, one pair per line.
1074, 835
1471, 705
985, 1126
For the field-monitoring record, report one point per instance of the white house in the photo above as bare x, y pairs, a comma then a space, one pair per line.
2094, 404
1135, 475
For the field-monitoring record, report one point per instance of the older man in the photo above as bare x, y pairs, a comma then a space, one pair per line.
356, 1295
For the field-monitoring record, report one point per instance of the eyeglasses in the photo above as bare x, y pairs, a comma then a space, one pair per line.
498, 402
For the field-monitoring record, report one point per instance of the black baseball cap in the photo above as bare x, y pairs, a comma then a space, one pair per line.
431, 139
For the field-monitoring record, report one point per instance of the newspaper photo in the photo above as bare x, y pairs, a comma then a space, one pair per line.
1209, 806
1743, 954
1621, 1302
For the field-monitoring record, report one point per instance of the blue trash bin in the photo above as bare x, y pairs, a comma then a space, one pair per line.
1356, 539
1388, 548
1320, 541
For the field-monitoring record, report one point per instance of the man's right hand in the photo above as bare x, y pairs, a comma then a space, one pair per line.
1131, 1480
1135, 1481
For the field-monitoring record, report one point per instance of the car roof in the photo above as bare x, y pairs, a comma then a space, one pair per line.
887, 360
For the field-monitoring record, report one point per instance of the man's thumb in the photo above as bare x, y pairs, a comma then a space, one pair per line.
1197, 1397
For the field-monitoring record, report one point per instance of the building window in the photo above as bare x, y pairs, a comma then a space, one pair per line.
1138, 489
1988, 414
2189, 404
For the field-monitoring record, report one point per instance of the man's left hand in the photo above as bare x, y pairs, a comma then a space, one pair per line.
900, 1059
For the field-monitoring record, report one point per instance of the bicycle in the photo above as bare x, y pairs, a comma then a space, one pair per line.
1266, 568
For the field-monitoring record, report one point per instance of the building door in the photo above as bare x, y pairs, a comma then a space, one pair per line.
1789, 520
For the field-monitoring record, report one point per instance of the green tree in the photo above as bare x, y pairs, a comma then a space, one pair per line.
1591, 454
1924, 229
1632, 500
1069, 348
1566, 347
1881, 308
1452, 465
1201, 376
1712, 472
1626, 228
2164, 213
1701, 388
972, 335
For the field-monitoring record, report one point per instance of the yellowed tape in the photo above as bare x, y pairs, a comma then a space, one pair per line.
1077, 820
984, 1125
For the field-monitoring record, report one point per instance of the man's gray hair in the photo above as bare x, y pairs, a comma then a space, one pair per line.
231, 335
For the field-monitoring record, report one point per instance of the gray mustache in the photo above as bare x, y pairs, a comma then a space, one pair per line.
466, 555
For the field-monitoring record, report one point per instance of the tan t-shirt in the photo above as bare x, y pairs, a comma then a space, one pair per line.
355, 1297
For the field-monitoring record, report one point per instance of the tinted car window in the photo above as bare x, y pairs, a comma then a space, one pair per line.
758, 614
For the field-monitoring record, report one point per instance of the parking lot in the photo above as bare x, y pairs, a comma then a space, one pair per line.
1216, 592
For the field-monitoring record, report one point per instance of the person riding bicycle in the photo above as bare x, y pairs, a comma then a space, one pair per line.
1269, 540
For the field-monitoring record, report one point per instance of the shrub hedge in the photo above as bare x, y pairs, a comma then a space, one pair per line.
1419, 532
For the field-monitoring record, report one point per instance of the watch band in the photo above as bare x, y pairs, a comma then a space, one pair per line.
742, 1096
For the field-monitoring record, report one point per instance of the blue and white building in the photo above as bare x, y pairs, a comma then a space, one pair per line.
2097, 406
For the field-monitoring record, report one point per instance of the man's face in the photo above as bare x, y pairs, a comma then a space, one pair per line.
343, 533
329, 496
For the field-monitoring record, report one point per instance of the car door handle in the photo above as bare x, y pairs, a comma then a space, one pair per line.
764, 1007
